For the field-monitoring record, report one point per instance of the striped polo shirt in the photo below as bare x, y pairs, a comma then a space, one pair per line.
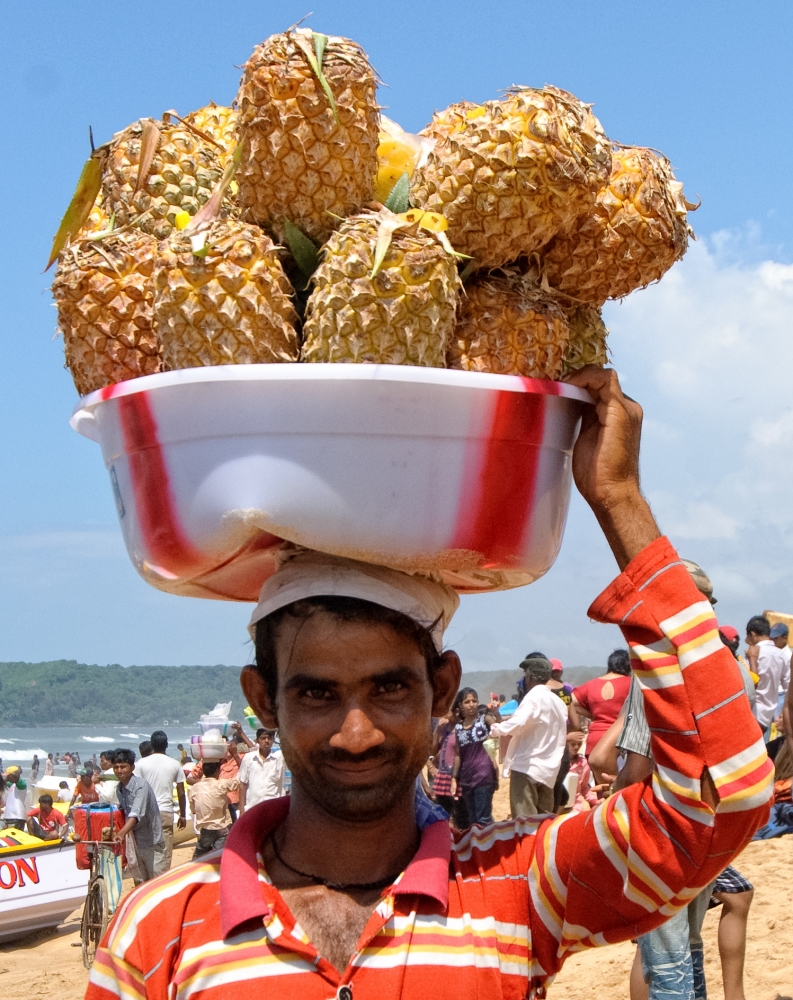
493, 912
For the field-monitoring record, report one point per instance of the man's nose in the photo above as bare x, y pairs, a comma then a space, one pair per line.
357, 734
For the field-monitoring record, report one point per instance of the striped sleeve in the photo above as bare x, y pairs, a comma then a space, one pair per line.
644, 853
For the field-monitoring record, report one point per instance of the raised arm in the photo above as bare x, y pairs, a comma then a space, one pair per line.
625, 867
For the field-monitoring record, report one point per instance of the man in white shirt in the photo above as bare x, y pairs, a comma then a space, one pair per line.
770, 664
162, 773
261, 774
538, 730
107, 786
16, 807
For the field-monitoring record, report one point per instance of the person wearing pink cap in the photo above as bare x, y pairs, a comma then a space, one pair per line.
557, 685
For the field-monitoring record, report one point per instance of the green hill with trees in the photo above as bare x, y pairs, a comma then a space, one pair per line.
65, 692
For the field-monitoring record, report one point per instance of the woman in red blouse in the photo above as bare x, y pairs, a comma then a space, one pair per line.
600, 700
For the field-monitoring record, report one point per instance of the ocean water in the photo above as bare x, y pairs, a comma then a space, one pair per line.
17, 745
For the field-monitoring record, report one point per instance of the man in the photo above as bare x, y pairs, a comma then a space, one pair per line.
16, 807
49, 766
107, 782
85, 791
779, 636
341, 891
210, 805
537, 730
770, 663
144, 749
141, 815
229, 768
46, 822
162, 773
34, 769
261, 774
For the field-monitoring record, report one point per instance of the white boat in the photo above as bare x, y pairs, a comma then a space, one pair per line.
40, 883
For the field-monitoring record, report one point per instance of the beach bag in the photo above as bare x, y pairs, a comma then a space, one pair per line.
89, 822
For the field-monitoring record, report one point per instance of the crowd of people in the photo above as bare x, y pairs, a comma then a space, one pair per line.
152, 789
565, 749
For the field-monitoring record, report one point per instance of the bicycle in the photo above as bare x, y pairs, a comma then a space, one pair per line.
98, 908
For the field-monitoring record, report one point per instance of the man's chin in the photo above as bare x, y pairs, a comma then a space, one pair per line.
358, 804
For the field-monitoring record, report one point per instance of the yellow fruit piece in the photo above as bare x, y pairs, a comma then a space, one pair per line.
403, 315
511, 174
103, 293
395, 157
300, 160
508, 325
182, 220
637, 229
230, 306
434, 222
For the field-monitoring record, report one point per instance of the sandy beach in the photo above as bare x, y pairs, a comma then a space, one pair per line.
48, 964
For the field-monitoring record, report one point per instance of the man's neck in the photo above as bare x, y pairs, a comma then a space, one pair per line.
264, 754
347, 852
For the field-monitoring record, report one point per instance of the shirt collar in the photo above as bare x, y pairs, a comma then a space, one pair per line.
241, 897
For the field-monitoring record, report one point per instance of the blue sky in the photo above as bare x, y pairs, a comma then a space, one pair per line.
709, 351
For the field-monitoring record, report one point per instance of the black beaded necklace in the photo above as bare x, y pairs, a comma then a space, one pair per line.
336, 886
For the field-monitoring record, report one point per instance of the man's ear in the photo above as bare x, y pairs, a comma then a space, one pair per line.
445, 682
255, 690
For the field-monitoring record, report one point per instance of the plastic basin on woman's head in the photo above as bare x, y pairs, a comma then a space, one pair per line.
464, 474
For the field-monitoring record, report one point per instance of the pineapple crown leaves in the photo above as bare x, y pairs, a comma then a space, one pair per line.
82, 202
399, 199
315, 62
149, 144
302, 249
430, 222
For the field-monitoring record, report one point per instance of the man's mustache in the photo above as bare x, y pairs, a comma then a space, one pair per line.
335, 755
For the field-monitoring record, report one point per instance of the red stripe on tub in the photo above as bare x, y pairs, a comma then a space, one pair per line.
166, 544
499, 480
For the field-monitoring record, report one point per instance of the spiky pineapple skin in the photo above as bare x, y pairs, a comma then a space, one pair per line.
635, 233
404, 315
220, 123
509, 326
184, 171
230, 307
104, 301
588, 339
511, 174
298, 162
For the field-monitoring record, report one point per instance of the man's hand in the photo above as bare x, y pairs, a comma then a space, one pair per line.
606, 464
181, 823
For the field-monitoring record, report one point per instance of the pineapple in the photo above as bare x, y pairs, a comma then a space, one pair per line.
309, 153
587, 344
222, 298
103, 291
508, 325
182, 173
511, 174
220, 124
396, 309
637, 230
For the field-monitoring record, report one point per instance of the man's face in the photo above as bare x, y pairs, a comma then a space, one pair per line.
264, 743
354, 712
123, 772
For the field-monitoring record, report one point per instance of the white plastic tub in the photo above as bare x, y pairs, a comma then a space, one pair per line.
462, 473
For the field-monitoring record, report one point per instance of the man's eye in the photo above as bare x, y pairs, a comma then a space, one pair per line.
316, 694
392, 687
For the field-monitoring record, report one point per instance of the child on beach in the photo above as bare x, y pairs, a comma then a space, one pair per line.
210, 806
